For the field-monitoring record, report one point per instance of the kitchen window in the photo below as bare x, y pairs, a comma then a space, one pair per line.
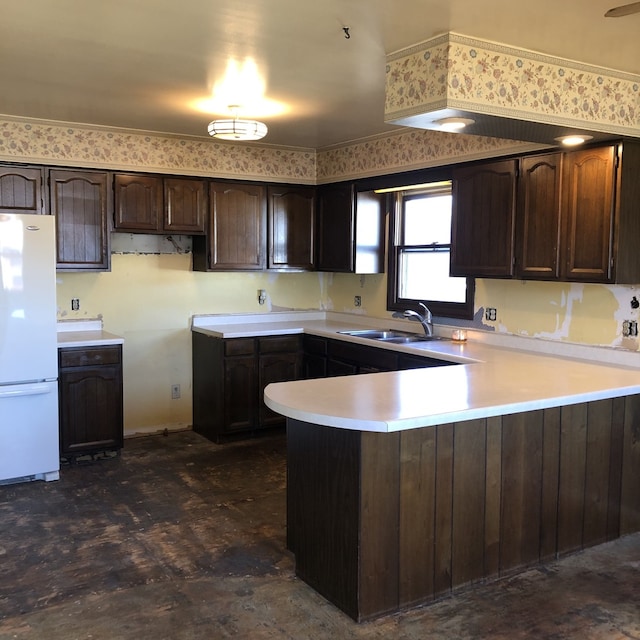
419, 248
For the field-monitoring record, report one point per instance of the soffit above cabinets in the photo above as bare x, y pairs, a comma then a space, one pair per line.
506, 92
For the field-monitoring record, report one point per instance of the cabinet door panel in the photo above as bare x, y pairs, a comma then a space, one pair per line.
240, 393
482, 238
237, 227
291, 227
90, 409
138, 202
275, 368
80, 202
185, 205
538, 228
20, 190
336, 228
589, 179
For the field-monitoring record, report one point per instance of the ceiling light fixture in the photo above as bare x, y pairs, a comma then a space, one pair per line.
237, 128
454, 124
574, 139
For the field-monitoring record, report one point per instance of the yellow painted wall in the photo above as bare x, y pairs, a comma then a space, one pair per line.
149, 301
589, 314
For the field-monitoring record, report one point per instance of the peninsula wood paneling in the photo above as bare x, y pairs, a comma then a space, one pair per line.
597, 472
549, 483
615, 467
323, 469
467, 534
493, 496
442, 580
379, 502
383, 522
573, 451
417, 517
521, 490
630, 493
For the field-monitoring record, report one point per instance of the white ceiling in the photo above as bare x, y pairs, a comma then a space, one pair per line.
143, 64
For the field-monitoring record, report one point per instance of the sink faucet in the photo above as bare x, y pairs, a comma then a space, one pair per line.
425, 318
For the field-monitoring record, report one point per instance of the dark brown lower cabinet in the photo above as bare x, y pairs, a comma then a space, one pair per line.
90, 399
229, 377
324, 357
381, 522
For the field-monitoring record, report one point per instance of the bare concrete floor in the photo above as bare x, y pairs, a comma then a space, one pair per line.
179, 538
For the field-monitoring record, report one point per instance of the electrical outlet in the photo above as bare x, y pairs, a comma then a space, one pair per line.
491, 314
75, 304
357, 301
175, 391
629, 328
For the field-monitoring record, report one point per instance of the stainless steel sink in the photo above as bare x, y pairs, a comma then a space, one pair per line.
391, 335
378, 334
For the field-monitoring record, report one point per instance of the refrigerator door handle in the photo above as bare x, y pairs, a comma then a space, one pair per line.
13, 391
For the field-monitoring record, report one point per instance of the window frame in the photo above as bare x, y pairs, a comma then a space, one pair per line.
461, 310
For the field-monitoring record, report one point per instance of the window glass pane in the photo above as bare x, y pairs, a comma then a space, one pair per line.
425, 276
427, 220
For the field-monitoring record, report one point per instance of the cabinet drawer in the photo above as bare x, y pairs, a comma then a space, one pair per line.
239, 347
84, 356
279, 344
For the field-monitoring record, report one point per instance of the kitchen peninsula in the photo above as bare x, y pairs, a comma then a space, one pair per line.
404, 486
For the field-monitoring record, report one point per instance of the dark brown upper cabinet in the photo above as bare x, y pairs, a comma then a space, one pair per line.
483, 217
138, 203
237, 229
81, 203
185, 206
576, 216
156, 204
21, 189
625, 257
589, 211
538, 217
291, 218
350, 230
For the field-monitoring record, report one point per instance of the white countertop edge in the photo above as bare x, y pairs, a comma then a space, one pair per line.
266, 330
84, 333
417, 422
88, 339
207, 320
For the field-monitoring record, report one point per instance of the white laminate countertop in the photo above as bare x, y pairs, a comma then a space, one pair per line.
85, 333
489, 381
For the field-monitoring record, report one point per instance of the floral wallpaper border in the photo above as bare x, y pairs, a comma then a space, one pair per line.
37, 141
407, 150
460, 72
68, 144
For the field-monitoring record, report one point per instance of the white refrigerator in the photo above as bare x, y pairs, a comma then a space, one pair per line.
28, 349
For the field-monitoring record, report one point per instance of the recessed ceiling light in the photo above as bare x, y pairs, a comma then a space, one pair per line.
574, 139
454, 124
